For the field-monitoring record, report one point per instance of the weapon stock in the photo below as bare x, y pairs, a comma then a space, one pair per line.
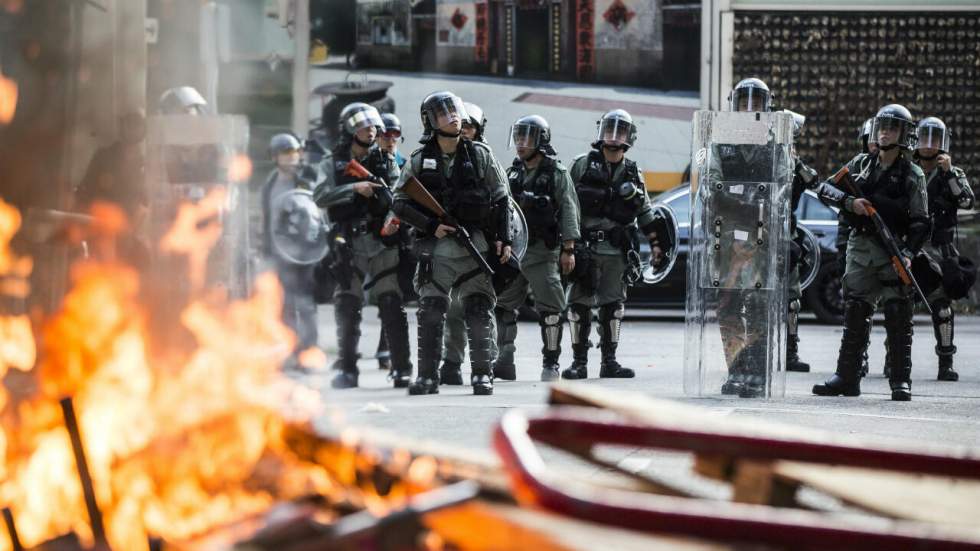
417, 192
885, 235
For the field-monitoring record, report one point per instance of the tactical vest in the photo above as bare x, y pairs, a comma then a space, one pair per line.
942, 208
537, 199
892, 184
361, 208
464, 195
598, 197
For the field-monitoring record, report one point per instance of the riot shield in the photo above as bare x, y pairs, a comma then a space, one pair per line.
809, 258
655, 274
190, 158
298, 231
737, 269
519, 235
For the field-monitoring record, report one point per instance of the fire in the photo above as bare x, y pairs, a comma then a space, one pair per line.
176, 445
239, 168
8, 99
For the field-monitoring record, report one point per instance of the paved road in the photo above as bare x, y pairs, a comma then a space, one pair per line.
664, 129
940, 412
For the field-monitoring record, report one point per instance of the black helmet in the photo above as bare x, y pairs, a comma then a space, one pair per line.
615, 128
283, 143
531, 131
359, 115
182, 99
476, 117
391, 122
894, 116
754, 92
440, 106
932, 133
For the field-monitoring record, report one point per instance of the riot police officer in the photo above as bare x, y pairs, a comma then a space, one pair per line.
467, 181
450, 373
868, 145
292, 231
362, 258
388, 142
390, 138
896, 188
182, 100
545, 193
804, 177
613, 204
948, 190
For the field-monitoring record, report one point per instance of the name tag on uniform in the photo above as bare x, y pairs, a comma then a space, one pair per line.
428, 164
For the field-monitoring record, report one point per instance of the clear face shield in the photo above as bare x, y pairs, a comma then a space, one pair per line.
749, 100
366, 118
932, 137
524, 136
614, 132
447, 111
887, 131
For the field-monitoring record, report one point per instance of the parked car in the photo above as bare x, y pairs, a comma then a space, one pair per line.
823, 297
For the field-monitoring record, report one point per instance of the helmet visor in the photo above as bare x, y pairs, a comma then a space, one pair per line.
524, 135
363, 119
932, 137
446, 111
887, 131
614, 131
750, 99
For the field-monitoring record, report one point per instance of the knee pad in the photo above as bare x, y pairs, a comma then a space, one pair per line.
794, 306
432, 310
477, 304
611, 311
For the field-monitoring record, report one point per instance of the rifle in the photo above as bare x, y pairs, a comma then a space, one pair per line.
383, 197
417, 192
884, 235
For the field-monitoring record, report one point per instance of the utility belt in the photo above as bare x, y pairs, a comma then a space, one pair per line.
617, 237
363, 226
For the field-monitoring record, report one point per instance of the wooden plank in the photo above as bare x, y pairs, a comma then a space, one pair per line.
485, 526
896, 495
755, 482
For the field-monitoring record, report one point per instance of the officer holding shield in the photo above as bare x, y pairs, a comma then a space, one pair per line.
614, 206
294, 237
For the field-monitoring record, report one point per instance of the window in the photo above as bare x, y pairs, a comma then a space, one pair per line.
681, 205
811, 208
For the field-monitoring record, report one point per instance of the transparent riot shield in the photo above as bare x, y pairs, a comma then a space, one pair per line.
738, 263
202, 161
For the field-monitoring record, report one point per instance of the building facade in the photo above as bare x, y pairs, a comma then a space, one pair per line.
609, 41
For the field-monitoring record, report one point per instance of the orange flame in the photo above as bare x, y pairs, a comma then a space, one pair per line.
174, 448
240, 168
8, 99
194, 233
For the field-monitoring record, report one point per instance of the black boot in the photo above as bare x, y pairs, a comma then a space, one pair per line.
610, 323
857, 324
551, 329
347, 310
431, 317
394, 326
451, 373
383, 354
579, 325
477, 311
898, 326
942, 326
793, 362
503, 367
